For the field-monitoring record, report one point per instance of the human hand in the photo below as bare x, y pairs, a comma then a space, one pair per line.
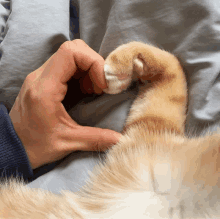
40, 120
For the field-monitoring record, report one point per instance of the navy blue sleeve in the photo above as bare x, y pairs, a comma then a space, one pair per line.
14, 161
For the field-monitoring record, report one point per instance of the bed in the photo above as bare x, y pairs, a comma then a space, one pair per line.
31, 31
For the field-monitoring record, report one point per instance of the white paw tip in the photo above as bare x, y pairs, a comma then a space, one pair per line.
116, 82
109, 73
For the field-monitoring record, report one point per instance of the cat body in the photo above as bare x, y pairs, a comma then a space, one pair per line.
154, 171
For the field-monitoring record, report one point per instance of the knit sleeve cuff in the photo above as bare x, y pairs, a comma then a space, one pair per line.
14, 161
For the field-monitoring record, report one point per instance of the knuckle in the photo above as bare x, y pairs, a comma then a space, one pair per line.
30, 92
78, 41
28, 78
32, 95
66, 46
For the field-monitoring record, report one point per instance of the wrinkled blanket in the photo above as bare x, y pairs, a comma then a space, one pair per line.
31, 31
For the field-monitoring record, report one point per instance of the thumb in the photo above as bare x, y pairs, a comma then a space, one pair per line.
97, 138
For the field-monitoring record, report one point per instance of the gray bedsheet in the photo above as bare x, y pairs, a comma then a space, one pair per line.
31, 31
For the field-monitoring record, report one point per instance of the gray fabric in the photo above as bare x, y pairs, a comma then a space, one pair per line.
189, 28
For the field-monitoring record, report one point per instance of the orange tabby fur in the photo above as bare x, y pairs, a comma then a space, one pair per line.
154, 171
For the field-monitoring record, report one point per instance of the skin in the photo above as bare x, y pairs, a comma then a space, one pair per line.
39, 118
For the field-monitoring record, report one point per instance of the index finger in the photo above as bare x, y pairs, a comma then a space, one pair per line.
70, 56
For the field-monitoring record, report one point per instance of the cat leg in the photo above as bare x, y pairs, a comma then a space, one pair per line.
161, 103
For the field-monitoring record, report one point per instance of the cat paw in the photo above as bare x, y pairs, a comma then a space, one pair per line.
120, 69
116, 81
